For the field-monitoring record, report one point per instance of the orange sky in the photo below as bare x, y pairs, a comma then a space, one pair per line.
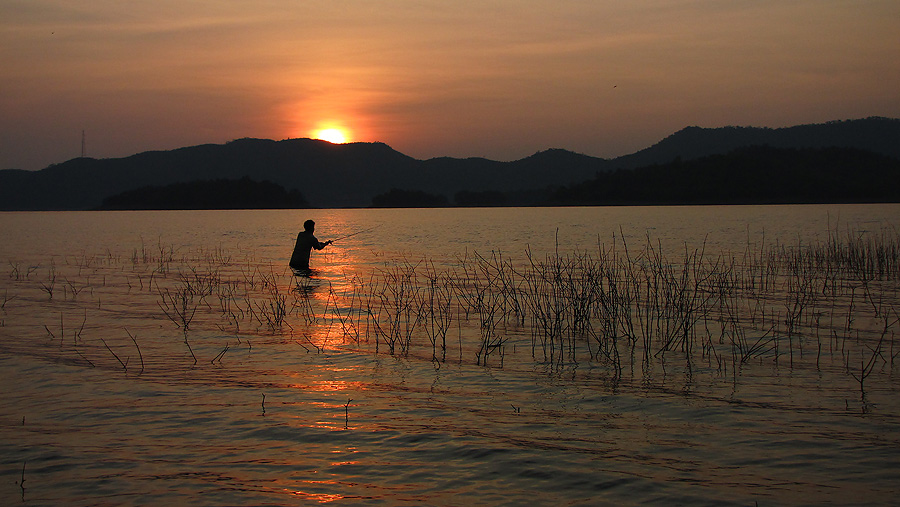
496, 79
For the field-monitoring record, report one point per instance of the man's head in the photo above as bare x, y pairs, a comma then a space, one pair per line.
309, 226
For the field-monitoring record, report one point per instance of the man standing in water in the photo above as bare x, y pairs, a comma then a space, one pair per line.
305, 243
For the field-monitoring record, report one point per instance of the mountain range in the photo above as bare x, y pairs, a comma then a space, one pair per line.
351, 175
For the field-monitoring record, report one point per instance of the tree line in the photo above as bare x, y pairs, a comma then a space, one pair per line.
748, 175
242, 193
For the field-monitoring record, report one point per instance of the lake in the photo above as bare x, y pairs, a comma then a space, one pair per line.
718, 355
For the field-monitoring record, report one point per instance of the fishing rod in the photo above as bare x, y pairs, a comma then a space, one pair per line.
355, 233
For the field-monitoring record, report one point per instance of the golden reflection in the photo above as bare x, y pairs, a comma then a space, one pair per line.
319, 497
328, 308
329, 386
349, 450
336, 385
337, 407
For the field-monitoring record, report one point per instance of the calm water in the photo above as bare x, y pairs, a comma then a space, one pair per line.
103, 402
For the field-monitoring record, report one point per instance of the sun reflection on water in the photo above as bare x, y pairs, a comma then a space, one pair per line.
319, 497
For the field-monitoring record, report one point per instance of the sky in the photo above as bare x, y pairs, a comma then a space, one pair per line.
470, 78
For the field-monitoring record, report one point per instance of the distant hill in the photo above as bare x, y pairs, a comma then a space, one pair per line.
350, 175
748, 175
326, 174
878, 135
208, 194
397, 198
550, 167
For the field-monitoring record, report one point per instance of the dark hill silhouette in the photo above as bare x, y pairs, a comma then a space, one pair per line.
326, 174
397, 198
875, 134
208, 194
550, 167
487, 198
350, 175
751, 175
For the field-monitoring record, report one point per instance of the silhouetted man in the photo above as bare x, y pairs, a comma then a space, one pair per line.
305, 243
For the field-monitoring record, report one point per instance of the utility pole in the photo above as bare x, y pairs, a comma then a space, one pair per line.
83, 151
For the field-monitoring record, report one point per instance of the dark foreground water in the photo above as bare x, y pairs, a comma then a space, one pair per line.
285, 391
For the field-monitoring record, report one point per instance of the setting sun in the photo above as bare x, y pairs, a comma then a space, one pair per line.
332, 135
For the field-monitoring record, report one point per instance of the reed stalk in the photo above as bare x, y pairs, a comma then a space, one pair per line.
124, 364
138, 347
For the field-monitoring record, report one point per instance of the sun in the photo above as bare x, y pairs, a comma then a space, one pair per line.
332, 135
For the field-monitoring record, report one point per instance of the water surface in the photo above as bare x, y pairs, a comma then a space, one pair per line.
106, 401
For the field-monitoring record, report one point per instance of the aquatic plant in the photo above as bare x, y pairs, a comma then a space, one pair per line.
272, 309
775, 302
49, 285
179, 305
138, 347
625, 308
6, 299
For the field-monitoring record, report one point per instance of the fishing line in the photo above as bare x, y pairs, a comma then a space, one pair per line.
355, 233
